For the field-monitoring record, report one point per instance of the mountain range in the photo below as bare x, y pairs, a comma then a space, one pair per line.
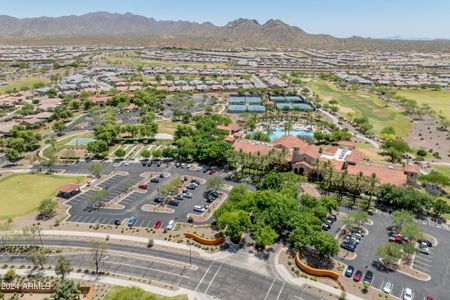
129, 29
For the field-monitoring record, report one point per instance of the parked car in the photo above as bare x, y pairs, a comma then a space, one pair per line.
195, 181
212, 172
158, 200
131, 221
348, 247
326, 227
155, 180
161, 175
170, 224
387, 287
117, 222
199, 208
157, 224
424, 250
349, 271
357, 276
177, 165
179, 197
428, 298
187, 195
173, 203
143, 186
191, 186
425, 242
407, 294
188, 166
368, 277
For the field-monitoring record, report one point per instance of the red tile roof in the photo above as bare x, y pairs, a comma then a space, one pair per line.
69, 188
355, 156
384, 174
412, 169
289, 142
253, 147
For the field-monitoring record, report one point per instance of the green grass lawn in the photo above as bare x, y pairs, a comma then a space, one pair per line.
131, 293
438, 100
22, 193
167, 126
363, 104
442, 169
19, 84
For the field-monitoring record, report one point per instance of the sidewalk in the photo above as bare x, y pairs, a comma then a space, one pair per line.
117, 282
136, 239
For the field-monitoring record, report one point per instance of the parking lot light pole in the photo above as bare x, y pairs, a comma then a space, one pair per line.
190, 254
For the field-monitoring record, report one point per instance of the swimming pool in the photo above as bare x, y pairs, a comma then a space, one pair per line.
80, 141
300, 133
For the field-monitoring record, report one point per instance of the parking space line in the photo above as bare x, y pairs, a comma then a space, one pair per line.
267, 294
215, 274
279, 293
148, 224
203, 277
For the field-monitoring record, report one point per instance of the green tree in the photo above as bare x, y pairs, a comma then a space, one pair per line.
120, 152
63, 267
440, 207
66, 290
325, 244
264, 235
390, 253
234, 224
59, 127
411, 231
47, 208
214, 182
401, 218
145, 153
38, 256
96, 168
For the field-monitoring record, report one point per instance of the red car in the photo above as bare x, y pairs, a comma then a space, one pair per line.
142, 186
429, 298
211, 172
157, 224
357, 276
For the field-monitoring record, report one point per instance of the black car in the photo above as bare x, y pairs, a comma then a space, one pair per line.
117, 222
426, 242
158, 164
195, 181
161, 175
158, 200
368, 277
191, 186
348, 246
349, 271
326, 227
155, 180
173, 203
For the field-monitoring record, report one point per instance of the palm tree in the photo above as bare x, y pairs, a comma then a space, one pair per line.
343, 183
373, 181
358, 186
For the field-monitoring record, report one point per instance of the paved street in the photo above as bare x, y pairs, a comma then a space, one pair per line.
213, 278
437, 264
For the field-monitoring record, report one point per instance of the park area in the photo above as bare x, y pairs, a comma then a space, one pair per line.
362, 104
134, 293
18, 85
438, 100
22, 193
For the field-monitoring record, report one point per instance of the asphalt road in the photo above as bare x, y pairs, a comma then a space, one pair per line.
437, 264
212, 278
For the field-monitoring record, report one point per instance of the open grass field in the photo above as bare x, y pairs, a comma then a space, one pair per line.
438, 100
128, 293
23, 83
167, 126
442, 169
362, 104
370, 152
22, 193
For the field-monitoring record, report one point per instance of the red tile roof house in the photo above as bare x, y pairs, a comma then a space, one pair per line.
303, 158
69, 190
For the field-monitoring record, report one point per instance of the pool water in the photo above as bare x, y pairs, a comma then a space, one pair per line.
300, 133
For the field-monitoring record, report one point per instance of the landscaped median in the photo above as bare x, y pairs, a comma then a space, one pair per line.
313, 271
205, 241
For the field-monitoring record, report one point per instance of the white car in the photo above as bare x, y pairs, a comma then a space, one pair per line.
171, 224
199, 208
407, 294
387, 287
424, 250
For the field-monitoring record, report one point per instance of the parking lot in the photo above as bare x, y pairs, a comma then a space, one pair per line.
436, 264
81, 206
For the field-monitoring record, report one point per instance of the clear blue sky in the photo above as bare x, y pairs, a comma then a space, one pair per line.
342, 18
